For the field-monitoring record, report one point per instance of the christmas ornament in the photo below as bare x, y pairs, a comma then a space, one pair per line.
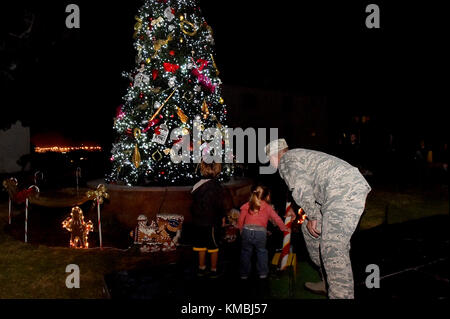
119, 112
182, 116
205, 110
162, 105
188, 96
141, 80
155, 74
167, 151
137, 26
168, 14
172, 82
136, 154
78, 228
204, 80
169, 67
160, 137
157, 156
155, 90
193, 28
157, 45
143, 106
203, 64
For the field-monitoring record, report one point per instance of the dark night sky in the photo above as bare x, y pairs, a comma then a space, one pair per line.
70, 80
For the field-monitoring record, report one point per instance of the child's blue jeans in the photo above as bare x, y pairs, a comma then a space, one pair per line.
254, 237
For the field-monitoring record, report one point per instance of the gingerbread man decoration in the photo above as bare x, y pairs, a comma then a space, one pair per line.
78, 228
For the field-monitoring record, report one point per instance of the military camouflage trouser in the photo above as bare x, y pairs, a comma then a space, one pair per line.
337, 226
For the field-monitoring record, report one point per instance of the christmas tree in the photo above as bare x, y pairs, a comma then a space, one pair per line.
175, 85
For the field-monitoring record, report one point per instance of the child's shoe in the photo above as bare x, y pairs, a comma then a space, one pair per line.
201, 272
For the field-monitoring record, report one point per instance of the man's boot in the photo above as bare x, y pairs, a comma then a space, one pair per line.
317, 287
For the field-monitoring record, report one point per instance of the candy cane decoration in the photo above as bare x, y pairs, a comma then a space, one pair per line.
9, 211
99, 194
26, 212
286, 240
36, 177
99, 222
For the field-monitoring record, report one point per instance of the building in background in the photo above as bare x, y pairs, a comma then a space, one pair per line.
14, 146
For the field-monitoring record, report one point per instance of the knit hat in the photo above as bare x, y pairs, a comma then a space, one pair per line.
275, 146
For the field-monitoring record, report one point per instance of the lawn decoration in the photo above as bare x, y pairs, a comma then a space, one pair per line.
10, 185
99, 195
162, 235
20, 197
78, 228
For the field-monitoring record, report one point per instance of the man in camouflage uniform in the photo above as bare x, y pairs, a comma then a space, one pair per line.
333, 194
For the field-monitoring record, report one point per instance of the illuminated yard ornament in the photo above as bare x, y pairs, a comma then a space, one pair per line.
99, 195
78, 228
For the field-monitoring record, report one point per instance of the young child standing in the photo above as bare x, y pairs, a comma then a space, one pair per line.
253, 225
208, 211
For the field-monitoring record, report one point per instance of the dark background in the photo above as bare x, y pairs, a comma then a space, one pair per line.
69, 80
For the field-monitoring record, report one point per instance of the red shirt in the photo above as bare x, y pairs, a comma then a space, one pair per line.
260, 218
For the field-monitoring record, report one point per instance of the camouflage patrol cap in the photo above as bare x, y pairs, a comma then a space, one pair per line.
275, 146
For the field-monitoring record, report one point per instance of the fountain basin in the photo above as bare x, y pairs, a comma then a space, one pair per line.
126, 203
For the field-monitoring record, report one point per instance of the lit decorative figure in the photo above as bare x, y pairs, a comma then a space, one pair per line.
78, 227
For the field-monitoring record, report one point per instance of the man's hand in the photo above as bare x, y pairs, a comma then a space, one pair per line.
311, 226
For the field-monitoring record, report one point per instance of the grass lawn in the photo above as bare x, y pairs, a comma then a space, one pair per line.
36, 271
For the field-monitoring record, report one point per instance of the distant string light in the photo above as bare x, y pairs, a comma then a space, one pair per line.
66, 149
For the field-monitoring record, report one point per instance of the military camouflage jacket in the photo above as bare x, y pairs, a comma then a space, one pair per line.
320, 181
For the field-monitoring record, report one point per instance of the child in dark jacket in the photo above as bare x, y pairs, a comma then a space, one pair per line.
208, 212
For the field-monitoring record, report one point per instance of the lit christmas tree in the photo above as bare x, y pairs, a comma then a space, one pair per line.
175, 84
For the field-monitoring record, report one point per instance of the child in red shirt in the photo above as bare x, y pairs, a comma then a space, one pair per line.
253, 225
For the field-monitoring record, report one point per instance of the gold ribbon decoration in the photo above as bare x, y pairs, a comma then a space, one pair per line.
100, 192
136, 154
205, 110
182, 116
157, 21
219, 125
158, 44
137, 26
214, 65
143, 106
162, 105
185, 31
